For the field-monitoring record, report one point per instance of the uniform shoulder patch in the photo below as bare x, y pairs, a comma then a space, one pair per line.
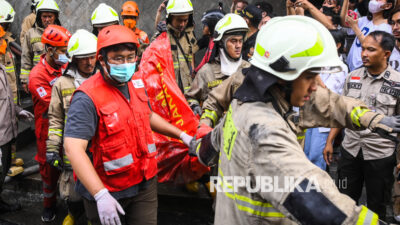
41, 91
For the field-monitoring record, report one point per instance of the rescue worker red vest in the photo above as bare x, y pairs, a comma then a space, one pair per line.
42, 78
123, 147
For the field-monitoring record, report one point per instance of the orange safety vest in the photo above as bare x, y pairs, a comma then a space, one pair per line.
123, 147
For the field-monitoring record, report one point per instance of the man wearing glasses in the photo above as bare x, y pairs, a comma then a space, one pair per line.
110, 117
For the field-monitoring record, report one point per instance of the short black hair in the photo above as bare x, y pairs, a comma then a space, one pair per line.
265, 6
116, 48
387, 41
394, 11
339, 37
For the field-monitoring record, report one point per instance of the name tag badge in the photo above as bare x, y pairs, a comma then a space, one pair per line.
138, 83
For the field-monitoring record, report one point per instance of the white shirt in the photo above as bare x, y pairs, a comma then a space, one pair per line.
366, 26
335, 82
394, 59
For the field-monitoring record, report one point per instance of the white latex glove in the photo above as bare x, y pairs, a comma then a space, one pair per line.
107, 207
185, 138
26, 115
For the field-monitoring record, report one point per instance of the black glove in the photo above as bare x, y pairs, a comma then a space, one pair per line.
387, 125
192, 147
206, 154
54, 159
162, 26
196, 109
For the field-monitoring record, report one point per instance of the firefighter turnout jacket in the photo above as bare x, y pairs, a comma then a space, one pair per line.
257, 141
8, 61
207, 79
32, 49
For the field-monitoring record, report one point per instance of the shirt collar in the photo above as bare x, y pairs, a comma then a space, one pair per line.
50, 69
385, 74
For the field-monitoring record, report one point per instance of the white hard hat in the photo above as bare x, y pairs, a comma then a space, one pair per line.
288, 46
230, 23
6, 12
179, 7
47, 5
82, 44
103, 15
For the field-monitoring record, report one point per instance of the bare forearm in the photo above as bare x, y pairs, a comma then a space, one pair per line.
158, 19
83, 168
318, 15
343, 12
290, 11
332, 135
358, 33
159, 125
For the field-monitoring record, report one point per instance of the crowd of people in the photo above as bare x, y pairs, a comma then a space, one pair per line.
117, 111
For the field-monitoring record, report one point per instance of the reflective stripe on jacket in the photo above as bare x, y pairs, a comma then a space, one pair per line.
123, 147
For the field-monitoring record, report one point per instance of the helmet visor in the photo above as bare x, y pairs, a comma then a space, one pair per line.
327, 69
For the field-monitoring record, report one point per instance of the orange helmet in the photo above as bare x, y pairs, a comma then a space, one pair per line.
56, 36
130, 8
2, 32
115, 34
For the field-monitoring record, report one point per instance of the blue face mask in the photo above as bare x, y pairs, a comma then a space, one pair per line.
62, 59
122, 72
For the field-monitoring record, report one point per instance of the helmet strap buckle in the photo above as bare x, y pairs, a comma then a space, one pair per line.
281, 65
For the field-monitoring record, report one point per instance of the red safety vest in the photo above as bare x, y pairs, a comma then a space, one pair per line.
123, 147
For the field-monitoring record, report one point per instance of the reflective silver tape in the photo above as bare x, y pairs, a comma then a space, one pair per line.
152, 148
118, 163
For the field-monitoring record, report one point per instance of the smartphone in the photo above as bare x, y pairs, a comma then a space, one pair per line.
293, 1
352, 14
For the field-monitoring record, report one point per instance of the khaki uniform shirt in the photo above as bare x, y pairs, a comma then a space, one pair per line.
8, 110
32, 49
8, 61
61, 94
219, 98
255, 140
182, 68
381, 94
208, 78
26, 25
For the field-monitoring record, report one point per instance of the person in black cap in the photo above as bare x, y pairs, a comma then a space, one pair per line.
253, 16
267, 12
266, 8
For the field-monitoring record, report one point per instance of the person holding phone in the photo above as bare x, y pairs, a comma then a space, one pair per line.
376, 19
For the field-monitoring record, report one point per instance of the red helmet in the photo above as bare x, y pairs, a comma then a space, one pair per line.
115, 34
130, 8
56, 36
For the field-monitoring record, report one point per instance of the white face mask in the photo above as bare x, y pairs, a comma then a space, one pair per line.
375, 7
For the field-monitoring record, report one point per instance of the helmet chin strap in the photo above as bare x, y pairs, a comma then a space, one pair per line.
287, 88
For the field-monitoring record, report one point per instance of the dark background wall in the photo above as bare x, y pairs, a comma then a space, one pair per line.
75, 14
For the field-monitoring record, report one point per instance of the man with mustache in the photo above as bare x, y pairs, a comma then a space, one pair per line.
180, 29
82, 50
365, 156
394, 21
394, 61
41, 80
